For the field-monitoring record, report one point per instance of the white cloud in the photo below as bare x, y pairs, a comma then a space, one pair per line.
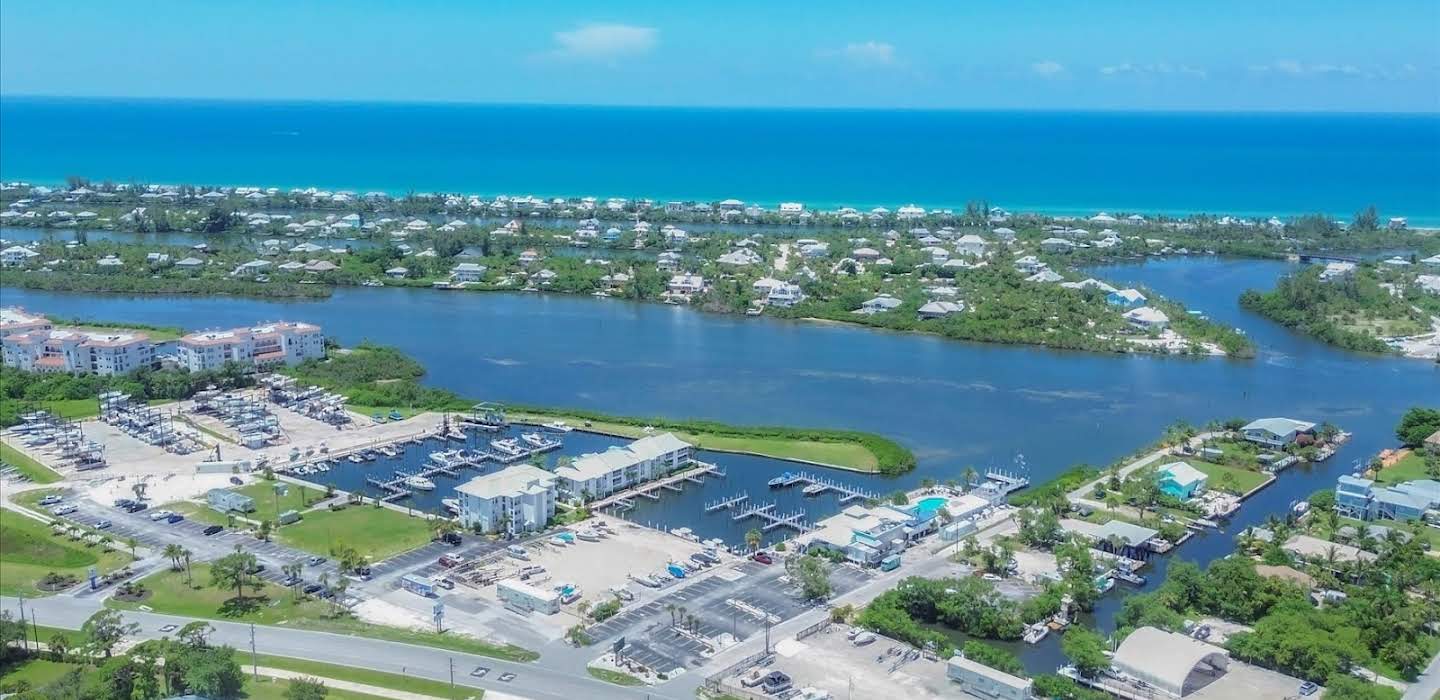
862, 53
1047, 69
605, 42
1154, 69
1292, 67
870, 53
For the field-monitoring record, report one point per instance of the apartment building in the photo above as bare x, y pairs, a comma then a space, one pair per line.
282, 342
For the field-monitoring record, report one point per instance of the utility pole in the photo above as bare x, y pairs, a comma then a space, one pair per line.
767, 633
24, 641
34, 628
452, 673
254, 659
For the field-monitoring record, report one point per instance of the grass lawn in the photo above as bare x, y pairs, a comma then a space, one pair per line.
269, 605
37, 472
273, 605
366, 676
615, 677
28, 551
31, 499
1409, 468
38, 673
1429, 643
1426, 533
265, 688
369, 411
269, 506
375, 532
845, 455
1244, 478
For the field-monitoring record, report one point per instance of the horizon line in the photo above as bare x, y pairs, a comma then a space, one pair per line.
712, 107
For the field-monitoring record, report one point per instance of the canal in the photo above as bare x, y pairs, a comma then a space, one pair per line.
953, 403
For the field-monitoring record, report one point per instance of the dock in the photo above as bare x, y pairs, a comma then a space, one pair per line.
766, 512
727, 503
847, 493
1006, 482
624, 500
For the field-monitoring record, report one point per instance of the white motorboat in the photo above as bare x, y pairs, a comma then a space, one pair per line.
451, 504
1036, 632
535, 439
508, 446
557, 426
419, 482
587, 535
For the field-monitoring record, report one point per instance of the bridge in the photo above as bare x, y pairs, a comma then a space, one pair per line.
1327, 257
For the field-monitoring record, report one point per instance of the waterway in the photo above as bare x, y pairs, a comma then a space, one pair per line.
953, 403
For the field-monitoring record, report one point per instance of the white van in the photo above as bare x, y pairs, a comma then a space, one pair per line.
517, 551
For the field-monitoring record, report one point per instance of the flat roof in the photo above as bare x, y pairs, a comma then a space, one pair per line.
597, 464
512, 481
994, 674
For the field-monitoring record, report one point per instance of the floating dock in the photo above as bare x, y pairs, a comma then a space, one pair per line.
727, 503
847, 493
796, 520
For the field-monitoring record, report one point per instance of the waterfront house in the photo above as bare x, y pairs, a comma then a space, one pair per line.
1057, 245
110, 262
516, 499
600, 474
397, 273
865, 254
879, 304
667, 261
1362, 499
529, 257
1276, 432
788, 209
940, 309
1089, 283
291, 266
784, 294
763, 285
1432, 261
978, 680
1125, 298
1180, 480
190, 264
157, 258
686, 284
318, 266
464, 273
815, 250
250, 268
226, 501
1147, 318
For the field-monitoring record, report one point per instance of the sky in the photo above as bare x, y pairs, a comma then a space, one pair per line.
1220, 55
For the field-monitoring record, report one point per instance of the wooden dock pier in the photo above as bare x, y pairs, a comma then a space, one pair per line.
727, 503
766, 512
847, 493
668, 483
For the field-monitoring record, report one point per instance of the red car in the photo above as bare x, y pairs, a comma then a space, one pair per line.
762, 557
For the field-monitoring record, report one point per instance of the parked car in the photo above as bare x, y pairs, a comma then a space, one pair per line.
63, 509
449, 560
315, 561
237, 481
1308, 688
102, 525
174, 518
312, 589
124, 503
213, 529
160, 515
451, 538
50, 500
445, 583
136, 507
763, 558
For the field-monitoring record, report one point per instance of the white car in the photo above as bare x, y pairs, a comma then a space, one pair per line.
63, 509
160, 514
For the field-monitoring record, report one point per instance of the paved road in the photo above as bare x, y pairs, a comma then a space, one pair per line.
531, 680
1427, 685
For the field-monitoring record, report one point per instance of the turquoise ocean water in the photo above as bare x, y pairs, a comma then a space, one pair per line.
1245, 164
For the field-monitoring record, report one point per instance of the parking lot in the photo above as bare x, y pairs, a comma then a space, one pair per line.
883, 668
733, 604
154, 535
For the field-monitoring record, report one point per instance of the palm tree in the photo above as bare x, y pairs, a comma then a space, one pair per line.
969, 475
59, 646
133, 545
752, 538
292, 571
672, 609
185, 555
139, 489
681, 613
172, 552
342, 584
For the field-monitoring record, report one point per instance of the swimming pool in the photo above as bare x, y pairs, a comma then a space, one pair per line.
927, 506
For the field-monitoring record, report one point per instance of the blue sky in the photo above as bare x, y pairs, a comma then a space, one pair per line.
1318, 55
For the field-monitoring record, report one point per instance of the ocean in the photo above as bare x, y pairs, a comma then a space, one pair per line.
1053, 162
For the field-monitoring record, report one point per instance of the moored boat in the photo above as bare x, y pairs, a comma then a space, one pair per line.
419, 482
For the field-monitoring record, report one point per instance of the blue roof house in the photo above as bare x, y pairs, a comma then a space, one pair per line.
1180, 480
1125, 298
1355, 497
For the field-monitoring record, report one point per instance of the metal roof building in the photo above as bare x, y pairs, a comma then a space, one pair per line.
1173, 663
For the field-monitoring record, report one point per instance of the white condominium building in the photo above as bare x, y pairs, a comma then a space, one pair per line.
601, 474
14, 319
274, 343
516, 499
78, 351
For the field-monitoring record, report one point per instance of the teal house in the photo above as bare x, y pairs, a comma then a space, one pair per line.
1180, 480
